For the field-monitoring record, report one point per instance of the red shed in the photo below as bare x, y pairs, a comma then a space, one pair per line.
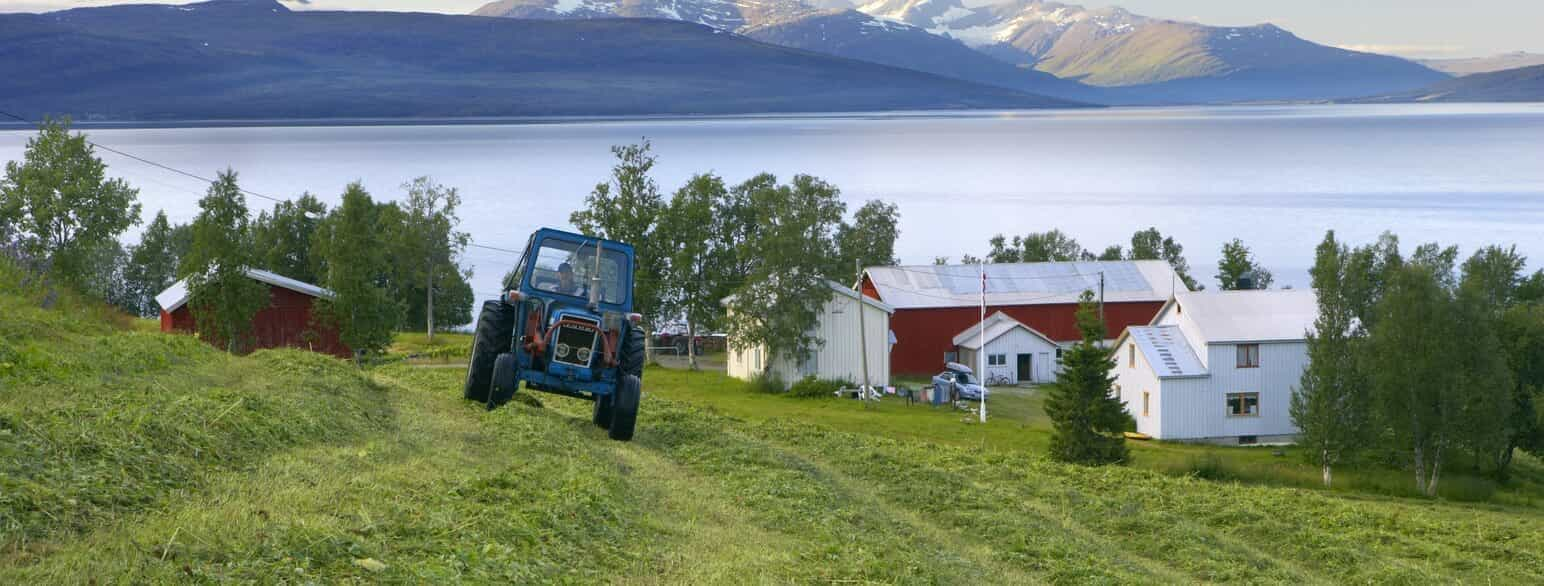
285, 323
934, 302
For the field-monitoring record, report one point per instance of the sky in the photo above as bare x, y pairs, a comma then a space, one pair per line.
1423, 29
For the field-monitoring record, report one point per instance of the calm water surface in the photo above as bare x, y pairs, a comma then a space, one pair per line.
1277, 177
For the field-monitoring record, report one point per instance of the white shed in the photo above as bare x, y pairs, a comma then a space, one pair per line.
1217, 367
1013, 350
838, 356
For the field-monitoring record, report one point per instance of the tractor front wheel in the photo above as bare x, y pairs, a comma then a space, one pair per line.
624, 407
494, 328
602, 415
504, 382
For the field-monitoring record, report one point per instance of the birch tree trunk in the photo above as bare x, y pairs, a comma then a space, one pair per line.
1325, 457
691, 345
429, 305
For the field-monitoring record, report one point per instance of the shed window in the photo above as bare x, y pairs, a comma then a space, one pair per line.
996, 359
1145, 398
1243, 404
1249, 356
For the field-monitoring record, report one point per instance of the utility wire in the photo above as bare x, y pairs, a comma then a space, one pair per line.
202, 178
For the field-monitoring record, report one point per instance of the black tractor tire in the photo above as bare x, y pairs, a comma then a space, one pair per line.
504, 383
602, 414
632, 356
624, 408
495, 327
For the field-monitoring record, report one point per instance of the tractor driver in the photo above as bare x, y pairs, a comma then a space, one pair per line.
567, 285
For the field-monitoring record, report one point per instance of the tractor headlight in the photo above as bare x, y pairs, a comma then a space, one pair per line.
583, 354
562, 350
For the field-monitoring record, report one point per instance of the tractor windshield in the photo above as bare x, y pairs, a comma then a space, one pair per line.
566, 268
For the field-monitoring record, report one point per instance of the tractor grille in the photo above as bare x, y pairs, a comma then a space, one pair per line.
574, 347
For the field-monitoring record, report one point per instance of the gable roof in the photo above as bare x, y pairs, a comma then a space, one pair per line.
1039, 283
997, 324
1167, 350
1248, 316
177, 295
869, 301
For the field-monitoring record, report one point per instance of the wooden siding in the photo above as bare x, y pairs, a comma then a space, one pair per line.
1133, 382
1012, 344
838, 357
285, 323
924, 335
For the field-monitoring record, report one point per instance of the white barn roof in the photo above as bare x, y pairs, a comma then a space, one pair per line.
1039, 283
177, 295
1250, 316
997, 324
1166, 349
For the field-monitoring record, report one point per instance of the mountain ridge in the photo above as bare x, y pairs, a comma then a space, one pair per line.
254, 59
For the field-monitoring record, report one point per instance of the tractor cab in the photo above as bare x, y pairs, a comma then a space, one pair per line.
564, 325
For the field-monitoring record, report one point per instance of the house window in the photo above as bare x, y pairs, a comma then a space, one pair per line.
1243, 404
1131, 354
1249, 356
1145, 398
996, 359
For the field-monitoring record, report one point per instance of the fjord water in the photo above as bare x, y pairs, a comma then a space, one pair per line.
1275, 176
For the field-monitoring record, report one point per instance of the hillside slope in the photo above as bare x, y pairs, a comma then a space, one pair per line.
1524, 84
254, 59
282, 466
1473, 65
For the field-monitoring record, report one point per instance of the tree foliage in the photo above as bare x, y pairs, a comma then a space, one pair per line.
626, 208
1050, 246
869, 241
1332, 406
1150, 244
224, 299
60, 203
699, 262
1087, 420
352, 244
152, 264
785, 291
1238, 269
425, 245
282, 239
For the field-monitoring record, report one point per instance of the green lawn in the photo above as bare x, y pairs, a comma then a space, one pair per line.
141, 458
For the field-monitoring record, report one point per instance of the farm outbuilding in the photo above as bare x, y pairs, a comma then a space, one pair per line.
838, 356
285, 323
1217, 367
1014, 351
933, 303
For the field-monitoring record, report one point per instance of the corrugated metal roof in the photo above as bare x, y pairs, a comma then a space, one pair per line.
997, 324
1166, 349
1042, 283
176, 295
1250, 316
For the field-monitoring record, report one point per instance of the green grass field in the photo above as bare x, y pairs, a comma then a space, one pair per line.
135, 457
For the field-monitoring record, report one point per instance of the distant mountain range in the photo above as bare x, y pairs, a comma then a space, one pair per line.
1475, 65
255, 59
1123, 58
1524, 84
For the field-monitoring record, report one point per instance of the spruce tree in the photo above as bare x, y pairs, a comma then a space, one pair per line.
1087, 421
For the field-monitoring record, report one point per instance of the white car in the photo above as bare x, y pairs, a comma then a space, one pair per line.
957, 380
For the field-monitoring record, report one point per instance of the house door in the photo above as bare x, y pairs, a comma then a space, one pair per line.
1044, 364
1025, 371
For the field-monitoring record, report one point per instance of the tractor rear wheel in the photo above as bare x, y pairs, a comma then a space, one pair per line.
602, 415
504, 384
624, 408
495, 326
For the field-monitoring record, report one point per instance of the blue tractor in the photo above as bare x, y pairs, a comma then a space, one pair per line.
564, 325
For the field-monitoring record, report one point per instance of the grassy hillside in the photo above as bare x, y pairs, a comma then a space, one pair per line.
162, 461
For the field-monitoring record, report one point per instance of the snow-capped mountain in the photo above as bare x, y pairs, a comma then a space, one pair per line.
835, 31
1113, 47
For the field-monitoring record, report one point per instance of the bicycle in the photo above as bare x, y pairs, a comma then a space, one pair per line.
998, 379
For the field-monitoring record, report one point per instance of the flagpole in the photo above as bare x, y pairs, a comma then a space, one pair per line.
981, 354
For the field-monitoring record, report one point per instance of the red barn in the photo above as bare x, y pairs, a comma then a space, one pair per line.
933, 303
285, 323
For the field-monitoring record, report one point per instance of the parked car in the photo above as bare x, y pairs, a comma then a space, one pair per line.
957, 380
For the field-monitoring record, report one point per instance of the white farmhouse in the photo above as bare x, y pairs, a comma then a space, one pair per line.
1217, 367
838, 357
1014, 351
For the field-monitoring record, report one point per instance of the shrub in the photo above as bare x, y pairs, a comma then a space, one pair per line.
768, 383
810, 387
1209, 466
